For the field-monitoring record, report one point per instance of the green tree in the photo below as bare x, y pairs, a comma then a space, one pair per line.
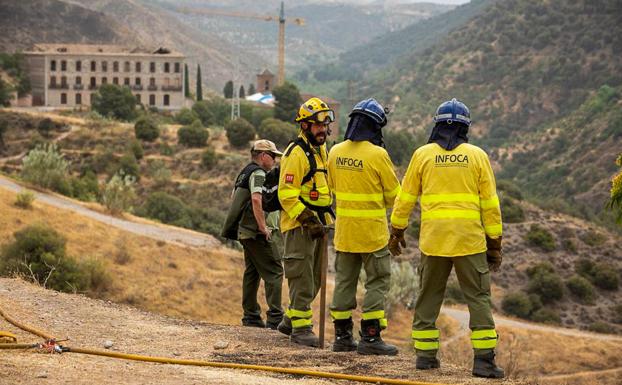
186, 82
213, 111
251, 89
119, 193
146, 129
199, 84
114, 101
287, 101
240, 132
5, 94
278, 131
186, 116
45, 166
228, 90
400, 145
242, 93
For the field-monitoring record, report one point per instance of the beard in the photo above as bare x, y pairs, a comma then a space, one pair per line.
316, 140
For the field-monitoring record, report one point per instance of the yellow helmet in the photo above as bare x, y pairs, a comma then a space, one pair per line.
315, 110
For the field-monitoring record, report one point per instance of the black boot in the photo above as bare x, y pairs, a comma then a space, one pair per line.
304, 336
285, 326
253, 322
425, 363
371, 342
273, 324
484, 366
343, 336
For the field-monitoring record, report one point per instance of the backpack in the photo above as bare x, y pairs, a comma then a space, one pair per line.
237, 208
269, 191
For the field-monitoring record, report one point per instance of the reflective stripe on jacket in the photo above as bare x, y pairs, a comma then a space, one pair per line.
458, 198
362, 177
293, 168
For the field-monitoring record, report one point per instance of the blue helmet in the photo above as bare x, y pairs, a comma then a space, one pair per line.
453, 111
370, 107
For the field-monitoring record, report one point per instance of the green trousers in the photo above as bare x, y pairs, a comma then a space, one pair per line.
262, 262
302, 264
377, 267
474, 278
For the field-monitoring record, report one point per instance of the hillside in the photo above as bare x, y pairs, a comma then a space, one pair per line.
27, 22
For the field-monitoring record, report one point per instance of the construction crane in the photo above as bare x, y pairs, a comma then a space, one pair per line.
280, 19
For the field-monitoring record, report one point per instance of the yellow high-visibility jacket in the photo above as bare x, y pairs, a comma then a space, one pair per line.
363, 180
293, 168
458, 198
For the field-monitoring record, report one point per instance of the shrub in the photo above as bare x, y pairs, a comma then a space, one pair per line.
403, 285
547, 316
581, 287
617, 313
281, 133
547, 285
511, 211
45, 166
136, 148
129, 166
119, 193
240, 132
38, 253
45, 126
542, 267
605, 278
167, 209
208, 158
160, 174
85, 188
517, 304
593, 238
24, 199
540, 237
584, 268
510, 188
186, 116
400, 146
210, 112
600, 327
194, 135
114, 101
146, 129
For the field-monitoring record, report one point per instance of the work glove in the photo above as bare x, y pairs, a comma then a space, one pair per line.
494, 253
396, 239
311, 223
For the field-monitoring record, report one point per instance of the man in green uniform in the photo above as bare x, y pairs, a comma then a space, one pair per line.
248, 222
361, 175
460, 227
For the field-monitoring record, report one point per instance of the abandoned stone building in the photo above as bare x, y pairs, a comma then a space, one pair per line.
67, 75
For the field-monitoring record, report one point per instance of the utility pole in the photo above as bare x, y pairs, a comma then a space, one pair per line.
281, 78
235, 98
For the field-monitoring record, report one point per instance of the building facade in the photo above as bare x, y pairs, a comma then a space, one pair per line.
67, 75
265, 82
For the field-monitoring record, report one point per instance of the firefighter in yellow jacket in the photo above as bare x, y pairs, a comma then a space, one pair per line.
460, 227
363, 181
305, 197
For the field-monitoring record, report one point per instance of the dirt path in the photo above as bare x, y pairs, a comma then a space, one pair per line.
89, 323
462, 316
155, 231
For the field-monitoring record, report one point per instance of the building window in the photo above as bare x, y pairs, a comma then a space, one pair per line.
266, 86
138, 98
151, 67
126, 66
63, 82
152, 100
93, 66
167, 67
137, 81
53, 65
152, 81
78, 99
177, 68
104, 80
167, 100
126, 81
78, 79
115, 66
78, 65
63, 98
138, 66
93, 82
104, 66
63, 65
115, 80
52, 81
167, 82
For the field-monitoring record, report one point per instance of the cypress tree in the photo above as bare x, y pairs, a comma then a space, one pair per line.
199, 85
186, 82
242, 93
228, 90
251, 89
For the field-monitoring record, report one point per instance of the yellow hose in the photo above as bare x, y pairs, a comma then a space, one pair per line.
226, 365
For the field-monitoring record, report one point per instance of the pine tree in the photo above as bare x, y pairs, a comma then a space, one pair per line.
251, 89
228, 90
242, 93
186, 82
199, 85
